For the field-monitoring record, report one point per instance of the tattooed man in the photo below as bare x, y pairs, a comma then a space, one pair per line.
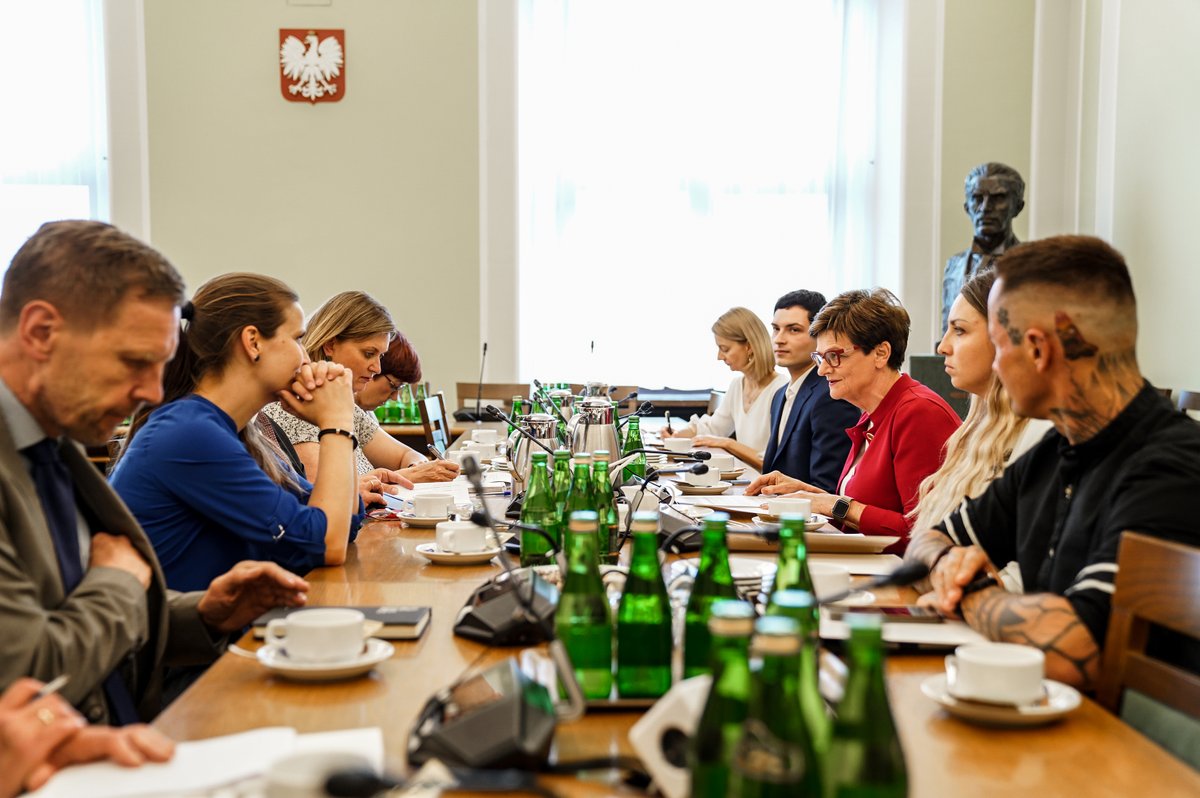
1064, 321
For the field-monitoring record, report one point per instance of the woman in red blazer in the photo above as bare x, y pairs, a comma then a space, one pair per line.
861, 338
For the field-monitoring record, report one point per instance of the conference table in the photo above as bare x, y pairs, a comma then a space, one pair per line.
1089, 753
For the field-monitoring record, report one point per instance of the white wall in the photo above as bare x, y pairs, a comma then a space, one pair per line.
379, 191
1157, 176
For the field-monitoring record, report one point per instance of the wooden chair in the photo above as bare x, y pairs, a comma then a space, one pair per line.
436, 421
714, 400
1158, 584
468, 392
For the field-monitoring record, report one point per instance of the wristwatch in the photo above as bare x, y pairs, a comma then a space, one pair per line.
840, 508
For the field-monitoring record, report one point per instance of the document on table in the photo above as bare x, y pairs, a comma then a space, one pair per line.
946, 634
207, 764
495, 482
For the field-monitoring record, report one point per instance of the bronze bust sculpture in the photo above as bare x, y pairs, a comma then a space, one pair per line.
995, 195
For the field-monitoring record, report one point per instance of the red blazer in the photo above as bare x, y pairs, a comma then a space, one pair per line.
909, 431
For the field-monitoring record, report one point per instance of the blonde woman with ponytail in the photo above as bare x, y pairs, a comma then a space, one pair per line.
744, 345
992, 435
196, 473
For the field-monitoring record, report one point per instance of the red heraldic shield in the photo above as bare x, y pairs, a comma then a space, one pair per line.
312, 65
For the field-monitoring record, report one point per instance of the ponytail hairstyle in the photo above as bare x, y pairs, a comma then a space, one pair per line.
211, 330
348, 316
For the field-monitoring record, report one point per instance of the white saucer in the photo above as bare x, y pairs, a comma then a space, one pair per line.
423, 522
856, 600
431, 552
688, 489
276, 661
766, 519
732, 473
1060, 700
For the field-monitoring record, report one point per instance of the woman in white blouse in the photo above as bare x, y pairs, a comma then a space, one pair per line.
744, 345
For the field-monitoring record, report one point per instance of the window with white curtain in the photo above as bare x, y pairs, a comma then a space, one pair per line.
677, 158
53, 140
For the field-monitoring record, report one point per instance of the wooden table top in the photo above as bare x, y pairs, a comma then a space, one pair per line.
1091, 753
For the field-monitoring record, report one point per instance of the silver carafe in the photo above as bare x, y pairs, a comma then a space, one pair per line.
591, 428
541, 426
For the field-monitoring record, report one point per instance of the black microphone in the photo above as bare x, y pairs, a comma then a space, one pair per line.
644, 409
481, 518
479, 393
499, 415
905, 574
695, 468
690, 456
548, 402
358, 783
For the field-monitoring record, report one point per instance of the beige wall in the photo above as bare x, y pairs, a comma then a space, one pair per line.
1156, 180
378, 191
986, 102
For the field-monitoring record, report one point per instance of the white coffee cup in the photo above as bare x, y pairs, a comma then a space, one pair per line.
829, 579
321, 634
485, 436
647, 502
457, 455
710, 477
433, 504
790, 506
1000, 673
304, 775
461, 537
677, 444
484, 451
722, 461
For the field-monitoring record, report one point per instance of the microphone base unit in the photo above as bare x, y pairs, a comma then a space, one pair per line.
496, 614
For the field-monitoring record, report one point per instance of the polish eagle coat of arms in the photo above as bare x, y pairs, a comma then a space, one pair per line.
312, 65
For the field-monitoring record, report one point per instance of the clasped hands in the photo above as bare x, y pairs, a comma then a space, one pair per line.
957, 568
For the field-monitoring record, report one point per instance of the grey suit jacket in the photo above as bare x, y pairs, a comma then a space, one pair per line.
108, 621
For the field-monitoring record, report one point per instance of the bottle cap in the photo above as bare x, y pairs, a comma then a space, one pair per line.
644, 521
776, 635
583, 521
732, 619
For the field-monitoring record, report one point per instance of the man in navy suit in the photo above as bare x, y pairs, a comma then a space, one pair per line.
808, 438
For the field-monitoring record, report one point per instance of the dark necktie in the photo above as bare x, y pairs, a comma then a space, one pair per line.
56, 491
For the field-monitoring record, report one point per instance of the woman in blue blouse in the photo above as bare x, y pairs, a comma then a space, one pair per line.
199, 477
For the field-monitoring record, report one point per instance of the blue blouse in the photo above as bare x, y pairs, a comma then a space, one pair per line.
206, 504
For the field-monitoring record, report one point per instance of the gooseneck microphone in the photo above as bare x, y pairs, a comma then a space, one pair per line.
905, 574
499, 415
548, 402
479, 392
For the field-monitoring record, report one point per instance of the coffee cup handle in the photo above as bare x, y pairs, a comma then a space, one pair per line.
276, 632
681, 581
614, 579
951, 670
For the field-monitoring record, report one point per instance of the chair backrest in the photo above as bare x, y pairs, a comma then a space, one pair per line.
1158, 583
468, 392
437, 423
715, 398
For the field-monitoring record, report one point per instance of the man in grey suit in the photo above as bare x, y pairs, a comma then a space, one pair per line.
89, 317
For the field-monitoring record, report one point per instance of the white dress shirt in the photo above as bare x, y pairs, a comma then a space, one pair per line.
753, 426
789, 399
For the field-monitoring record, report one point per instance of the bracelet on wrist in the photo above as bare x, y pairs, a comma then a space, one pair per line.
338, 431
938, 557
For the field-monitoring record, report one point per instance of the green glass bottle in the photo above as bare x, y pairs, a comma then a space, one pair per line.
802, 607
419, 396
582, 621
561, 431
633, 442
560, 483
644, 618
539, 510
579, 492
616, 416
791, 567
381, 412
395, 410
774, 757
865, 757
710, 751
517, 412
713, 582
412, 414
607, 540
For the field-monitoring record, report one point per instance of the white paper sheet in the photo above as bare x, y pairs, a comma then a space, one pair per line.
207, 764
861, 564
946, 634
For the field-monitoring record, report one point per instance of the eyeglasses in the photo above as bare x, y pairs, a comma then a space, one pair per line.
831, 357
394, 386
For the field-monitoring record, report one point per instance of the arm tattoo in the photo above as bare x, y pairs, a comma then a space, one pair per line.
1042, 620
1075, 346
926, 545
1014, 334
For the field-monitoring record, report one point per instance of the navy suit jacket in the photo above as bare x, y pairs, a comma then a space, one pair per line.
815, 444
